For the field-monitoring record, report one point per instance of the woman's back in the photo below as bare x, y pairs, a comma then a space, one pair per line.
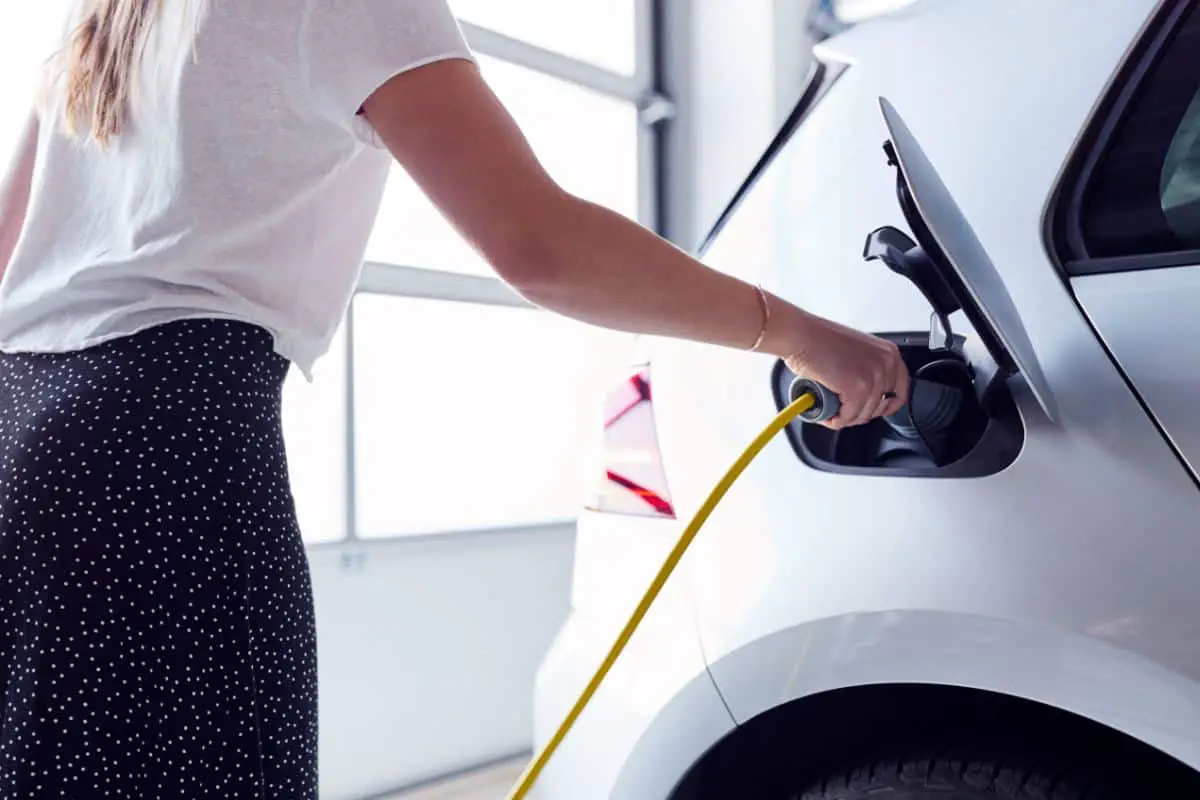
244, 184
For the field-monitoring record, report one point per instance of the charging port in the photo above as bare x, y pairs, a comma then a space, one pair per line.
950, 428
961, 419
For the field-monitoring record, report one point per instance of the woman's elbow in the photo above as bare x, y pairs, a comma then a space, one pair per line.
535, 257
531, 268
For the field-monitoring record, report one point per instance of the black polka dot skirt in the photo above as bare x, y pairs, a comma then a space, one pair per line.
156, 619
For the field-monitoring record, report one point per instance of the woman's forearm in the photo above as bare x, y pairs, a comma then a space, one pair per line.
596, 266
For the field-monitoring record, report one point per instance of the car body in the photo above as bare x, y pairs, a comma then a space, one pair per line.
1043, 574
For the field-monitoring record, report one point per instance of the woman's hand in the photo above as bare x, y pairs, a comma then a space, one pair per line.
865, 372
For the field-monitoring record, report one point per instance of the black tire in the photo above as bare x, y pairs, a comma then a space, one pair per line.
949, 779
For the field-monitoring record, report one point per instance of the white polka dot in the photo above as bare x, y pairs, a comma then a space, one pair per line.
157, 635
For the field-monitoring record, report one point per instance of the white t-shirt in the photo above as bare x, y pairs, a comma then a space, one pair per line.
245, 185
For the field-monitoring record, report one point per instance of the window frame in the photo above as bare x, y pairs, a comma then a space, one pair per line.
655, 110
1063, 220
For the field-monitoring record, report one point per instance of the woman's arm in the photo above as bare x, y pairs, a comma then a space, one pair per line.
448, 130
15, 188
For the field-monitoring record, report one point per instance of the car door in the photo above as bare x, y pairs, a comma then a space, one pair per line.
1128, 225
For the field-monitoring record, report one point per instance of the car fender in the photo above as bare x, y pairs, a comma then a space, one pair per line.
669, 746
655, 714
1085, 676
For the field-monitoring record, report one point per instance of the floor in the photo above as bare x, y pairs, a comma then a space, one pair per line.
489, 784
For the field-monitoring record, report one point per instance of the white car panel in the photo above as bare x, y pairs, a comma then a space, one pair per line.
791, 545
1150, 320
805, 581
657, 711
1079, 673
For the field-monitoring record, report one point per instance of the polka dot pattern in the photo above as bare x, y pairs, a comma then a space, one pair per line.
156, 621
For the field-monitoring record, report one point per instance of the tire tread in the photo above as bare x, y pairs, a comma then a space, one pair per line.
985, 778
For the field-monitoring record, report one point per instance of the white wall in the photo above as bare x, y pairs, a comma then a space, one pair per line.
428, 648
738, 68
733, 63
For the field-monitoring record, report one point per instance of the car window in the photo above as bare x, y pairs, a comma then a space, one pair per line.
1143, 196
1180, 181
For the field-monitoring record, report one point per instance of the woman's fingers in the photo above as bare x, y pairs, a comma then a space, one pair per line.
881, 391
885, 404
873, 402
863, 370
903, 386
859, 404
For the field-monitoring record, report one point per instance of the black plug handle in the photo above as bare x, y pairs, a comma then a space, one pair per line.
827, 403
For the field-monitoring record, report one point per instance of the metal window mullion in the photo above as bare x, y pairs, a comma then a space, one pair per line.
651, 124
649, 206
405, 281
645, 32
673, 44
507, 48
351, 431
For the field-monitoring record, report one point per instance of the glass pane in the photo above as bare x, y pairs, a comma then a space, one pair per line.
602, 32
585, 140
1143, 196
314, 431
1180, 179
472, 416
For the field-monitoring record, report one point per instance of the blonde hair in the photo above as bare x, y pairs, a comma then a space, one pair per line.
100, 64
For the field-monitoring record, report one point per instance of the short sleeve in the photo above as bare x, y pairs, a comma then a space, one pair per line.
352, 47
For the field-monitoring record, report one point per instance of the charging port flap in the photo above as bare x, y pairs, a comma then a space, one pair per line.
950, 266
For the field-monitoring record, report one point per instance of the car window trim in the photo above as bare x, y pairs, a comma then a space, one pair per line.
821, 78
1111, 111
1106, 266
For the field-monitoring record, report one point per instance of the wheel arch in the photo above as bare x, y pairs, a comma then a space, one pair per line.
814, 737
876, 669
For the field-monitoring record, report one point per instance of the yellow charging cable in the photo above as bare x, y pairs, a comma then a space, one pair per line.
805, 401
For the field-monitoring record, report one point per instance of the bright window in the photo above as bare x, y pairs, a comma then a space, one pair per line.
314, 432
585, 140
471, 416
601, 32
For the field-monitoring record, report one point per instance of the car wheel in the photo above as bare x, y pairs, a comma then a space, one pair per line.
949, 779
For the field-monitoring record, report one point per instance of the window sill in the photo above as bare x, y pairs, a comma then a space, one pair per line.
457, 534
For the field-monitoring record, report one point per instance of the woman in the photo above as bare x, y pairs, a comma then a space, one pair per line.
184, 218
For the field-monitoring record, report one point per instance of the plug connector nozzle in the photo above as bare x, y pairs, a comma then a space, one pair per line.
826, 404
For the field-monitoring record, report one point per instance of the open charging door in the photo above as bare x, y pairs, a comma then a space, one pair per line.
969, 280
981, 431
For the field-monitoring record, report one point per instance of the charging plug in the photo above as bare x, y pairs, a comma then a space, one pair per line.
826, 405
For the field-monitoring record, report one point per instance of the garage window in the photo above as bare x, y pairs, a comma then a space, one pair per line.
1142, 196
599, 32
586, 140
452, 404
485, 429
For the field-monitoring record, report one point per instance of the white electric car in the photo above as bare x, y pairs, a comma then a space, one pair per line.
1002, 601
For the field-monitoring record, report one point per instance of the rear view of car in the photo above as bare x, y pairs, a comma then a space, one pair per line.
997, 596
